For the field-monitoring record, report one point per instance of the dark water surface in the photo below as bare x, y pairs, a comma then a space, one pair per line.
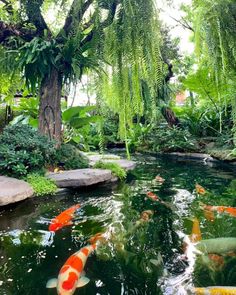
139, 257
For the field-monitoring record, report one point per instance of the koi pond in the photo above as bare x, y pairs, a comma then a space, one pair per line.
177, 240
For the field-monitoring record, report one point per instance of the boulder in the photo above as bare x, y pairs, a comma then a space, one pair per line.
13, 190
109, 158
80, 177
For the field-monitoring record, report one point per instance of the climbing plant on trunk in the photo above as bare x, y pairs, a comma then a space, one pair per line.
52, 56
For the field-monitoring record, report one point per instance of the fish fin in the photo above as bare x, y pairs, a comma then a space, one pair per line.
82, 281
68, 223
83, 274
154, 261
51, 283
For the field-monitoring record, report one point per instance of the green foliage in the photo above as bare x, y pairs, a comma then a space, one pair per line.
114, 167
41, 185
172, 140
23, 150
138, 135
77, 122
132, 48
214, 24
68, 157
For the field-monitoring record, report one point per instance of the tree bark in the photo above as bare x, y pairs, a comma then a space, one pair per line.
50, 106
170, 117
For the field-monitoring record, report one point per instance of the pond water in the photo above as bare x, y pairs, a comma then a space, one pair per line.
138, 257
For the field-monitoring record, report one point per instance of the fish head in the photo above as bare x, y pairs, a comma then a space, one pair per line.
55, 226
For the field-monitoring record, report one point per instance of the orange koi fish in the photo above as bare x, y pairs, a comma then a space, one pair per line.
217, 259
145, 215
159, 179
97, 237
63, 219
224, 290
221, 209
196, 235
70, 275
153, 197
209, 215
200, 190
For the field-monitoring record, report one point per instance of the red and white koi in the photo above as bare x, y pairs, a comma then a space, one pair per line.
71, 274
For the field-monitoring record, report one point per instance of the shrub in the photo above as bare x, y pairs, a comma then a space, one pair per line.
114, 167
173, 140
41, 185
68, 157
23, 150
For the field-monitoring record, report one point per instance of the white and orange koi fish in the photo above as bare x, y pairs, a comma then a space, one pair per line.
70, 276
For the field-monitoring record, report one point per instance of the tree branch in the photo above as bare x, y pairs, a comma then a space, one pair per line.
183, 23
73, 15
33, 11
9, 30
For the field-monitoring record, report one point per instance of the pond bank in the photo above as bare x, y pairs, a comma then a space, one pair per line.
13, 190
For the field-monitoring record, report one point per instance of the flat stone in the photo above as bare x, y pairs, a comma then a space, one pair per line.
109, 158
81, 177
204, 157
13, 190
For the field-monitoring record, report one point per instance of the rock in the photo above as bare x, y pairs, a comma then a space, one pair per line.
13, 190
109, 158
222, 154
81, 177
204, 157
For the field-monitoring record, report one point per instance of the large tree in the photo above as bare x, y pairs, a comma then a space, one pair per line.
52, 56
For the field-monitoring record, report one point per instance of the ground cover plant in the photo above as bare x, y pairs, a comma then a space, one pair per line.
41, 185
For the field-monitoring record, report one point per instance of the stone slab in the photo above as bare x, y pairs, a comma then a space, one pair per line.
109, 158
80, 177
13, 190
204, 157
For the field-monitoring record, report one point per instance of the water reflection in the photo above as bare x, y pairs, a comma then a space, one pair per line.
144, 247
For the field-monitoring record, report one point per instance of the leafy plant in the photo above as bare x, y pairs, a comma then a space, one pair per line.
115, 168
41, 185
24, 150
172, 140
68, 157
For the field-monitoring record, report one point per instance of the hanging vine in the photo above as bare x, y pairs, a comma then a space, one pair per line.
132, 51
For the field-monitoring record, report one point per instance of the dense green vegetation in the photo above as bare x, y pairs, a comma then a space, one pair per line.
129, 58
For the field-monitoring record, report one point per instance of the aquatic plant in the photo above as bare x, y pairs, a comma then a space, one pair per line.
41, 185
115, 168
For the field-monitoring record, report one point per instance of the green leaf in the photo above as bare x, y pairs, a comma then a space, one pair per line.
78, 111
77, 122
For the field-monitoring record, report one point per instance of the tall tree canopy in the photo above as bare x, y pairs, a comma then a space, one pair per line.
88, 34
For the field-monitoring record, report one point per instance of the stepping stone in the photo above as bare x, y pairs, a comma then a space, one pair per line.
109, 158
13, 190
80, 177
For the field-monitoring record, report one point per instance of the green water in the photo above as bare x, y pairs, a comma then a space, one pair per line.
138, 258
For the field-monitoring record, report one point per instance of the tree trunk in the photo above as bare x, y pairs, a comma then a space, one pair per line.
50, 106
170, 117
